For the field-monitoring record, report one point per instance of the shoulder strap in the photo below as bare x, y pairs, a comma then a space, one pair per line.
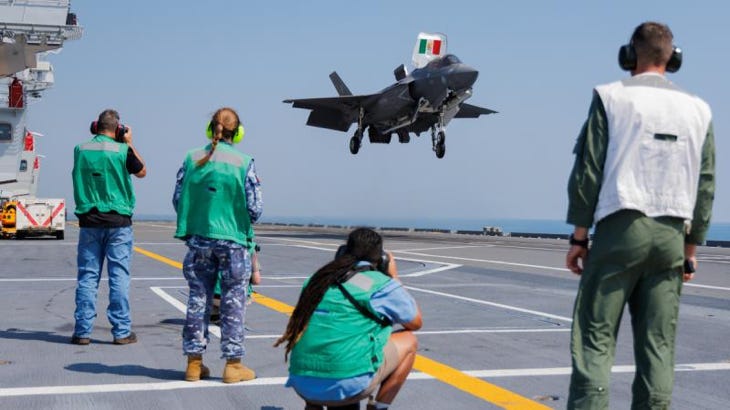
362, 309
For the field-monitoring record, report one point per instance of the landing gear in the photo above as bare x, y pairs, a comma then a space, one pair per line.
438, 137
440, 145
356, 140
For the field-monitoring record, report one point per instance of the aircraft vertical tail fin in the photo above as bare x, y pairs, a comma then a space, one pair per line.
340, 86
429, 46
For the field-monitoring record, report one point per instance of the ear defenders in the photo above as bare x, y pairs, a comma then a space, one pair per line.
118, 133
237, 136
627, 58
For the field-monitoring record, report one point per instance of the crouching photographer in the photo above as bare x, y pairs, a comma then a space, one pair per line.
340, 335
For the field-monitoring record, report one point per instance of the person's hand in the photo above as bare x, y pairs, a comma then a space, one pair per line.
128, 135
690, 254
688, 276
392, 268
575, 258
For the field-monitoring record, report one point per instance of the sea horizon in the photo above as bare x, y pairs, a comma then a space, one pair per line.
719, 231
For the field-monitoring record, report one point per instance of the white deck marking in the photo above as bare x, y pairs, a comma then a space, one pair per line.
170, 227
498, 305
558, 371
477, 331
526, 265
446, 266
278, 381
181, 243
74, 279
213, 329
696, 285
444, 248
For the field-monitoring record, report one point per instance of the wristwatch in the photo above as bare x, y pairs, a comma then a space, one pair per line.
583, 243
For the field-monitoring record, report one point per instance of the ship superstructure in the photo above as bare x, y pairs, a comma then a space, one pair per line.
29, 31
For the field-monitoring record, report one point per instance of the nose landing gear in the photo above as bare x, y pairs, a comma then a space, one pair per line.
438, 137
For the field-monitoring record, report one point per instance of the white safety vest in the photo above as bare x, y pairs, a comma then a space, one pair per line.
655, 136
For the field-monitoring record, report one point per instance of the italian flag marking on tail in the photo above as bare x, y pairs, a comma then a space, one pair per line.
429, 47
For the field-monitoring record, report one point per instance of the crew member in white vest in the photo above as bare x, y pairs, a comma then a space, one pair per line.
644, 175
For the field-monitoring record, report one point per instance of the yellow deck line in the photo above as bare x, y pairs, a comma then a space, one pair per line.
446, 374
159, 258
475, 386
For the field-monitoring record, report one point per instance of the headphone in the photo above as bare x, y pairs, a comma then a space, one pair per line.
627, 58
118, 133
381, 266
237, 136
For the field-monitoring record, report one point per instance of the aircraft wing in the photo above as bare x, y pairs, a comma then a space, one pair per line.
348, 102
335, 113
472, 111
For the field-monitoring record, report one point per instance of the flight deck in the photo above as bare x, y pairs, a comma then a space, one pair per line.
497, 316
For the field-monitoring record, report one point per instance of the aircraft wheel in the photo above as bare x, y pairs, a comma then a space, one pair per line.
440, 150
440, 147
354, 145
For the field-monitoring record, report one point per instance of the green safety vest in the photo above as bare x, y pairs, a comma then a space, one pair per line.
100, 177
340, 341
213, 198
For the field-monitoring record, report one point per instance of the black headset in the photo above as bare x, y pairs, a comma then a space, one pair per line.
627, 58
118, 133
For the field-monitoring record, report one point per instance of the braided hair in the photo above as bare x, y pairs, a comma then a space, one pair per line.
363, 244
224, 125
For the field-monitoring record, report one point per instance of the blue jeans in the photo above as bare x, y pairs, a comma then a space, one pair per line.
95, 245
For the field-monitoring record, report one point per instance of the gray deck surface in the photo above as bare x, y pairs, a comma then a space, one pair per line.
494, 308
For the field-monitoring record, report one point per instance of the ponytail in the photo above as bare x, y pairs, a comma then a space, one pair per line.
224, 116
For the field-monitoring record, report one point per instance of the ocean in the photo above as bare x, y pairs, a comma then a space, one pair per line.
719, 231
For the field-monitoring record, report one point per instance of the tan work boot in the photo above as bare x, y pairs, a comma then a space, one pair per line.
196, 370
235, 372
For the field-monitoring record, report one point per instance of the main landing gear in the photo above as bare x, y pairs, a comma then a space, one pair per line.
438, 137
356, 140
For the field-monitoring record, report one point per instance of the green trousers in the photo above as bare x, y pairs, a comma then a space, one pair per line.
637, 260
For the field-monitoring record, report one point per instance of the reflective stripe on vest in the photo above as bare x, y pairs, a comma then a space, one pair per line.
219, 156
100, 146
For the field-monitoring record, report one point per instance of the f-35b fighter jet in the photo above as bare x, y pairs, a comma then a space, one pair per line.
426, 99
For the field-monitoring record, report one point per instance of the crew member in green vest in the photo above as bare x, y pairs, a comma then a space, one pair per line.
104, 198
217, 199
340, 335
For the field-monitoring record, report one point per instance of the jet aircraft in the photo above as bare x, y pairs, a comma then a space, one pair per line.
426, 99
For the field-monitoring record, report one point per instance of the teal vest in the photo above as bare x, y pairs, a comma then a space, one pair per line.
213, 196
100, 177
340, 341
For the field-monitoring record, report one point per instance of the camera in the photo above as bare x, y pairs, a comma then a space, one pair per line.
382, 265
120, 133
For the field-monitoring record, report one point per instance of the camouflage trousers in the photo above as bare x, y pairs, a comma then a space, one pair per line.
201, 267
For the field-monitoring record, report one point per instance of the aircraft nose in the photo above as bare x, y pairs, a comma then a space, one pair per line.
462, 77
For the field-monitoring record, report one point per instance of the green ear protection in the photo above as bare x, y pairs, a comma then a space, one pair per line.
237, 137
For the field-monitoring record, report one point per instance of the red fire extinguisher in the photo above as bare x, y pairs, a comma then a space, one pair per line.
15, 92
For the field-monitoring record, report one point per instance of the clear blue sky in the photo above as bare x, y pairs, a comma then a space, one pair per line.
166, 66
